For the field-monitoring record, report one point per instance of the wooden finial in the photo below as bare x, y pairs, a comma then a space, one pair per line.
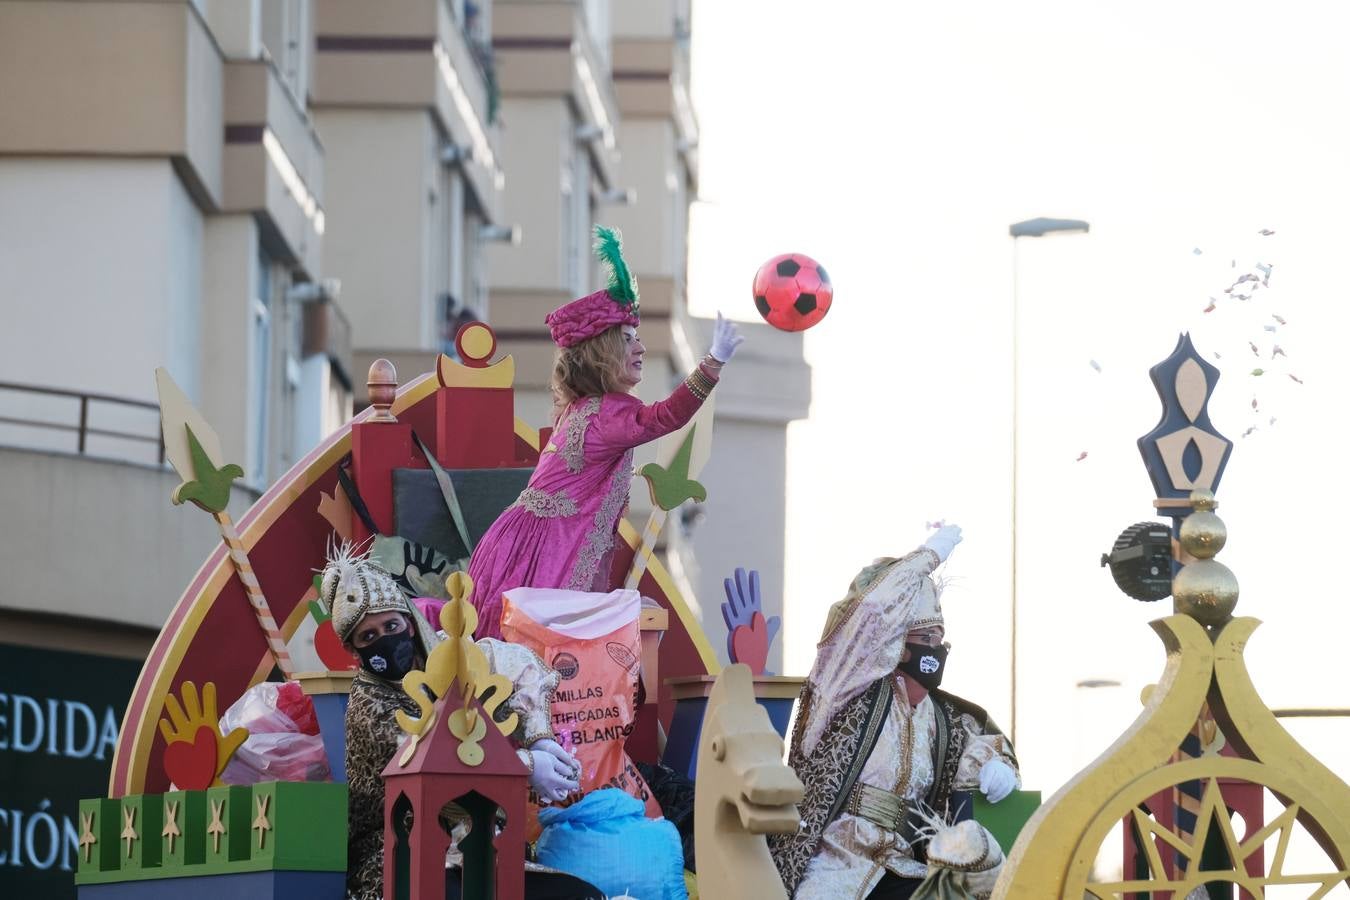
381, 384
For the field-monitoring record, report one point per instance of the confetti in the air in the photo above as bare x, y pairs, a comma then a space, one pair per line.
1082, 456
1096, 366
1218, 355
1277, 350
1265, 232
1270, 328
1249, 430
1210, 308
1258, 372
1254, 406
1279, 319
1255, 352
1272, 420
1295, 378
1197, 251
938, 524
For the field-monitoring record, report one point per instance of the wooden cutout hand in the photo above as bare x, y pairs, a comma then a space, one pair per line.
196, 752
748, 638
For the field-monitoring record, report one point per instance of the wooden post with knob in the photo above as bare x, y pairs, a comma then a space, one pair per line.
380, 444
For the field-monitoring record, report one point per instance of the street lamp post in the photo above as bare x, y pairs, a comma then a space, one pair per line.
1035, 228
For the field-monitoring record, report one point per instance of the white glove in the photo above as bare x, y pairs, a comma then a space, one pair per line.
552, 779
997, 780
726, 338
944, 541
566, 757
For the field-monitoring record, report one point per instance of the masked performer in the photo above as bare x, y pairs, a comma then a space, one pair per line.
374, 620
876, 742
560, 531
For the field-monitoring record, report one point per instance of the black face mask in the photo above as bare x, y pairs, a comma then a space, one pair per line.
925, 664
391, 656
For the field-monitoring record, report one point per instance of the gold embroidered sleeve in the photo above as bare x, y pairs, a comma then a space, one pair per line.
980, 748
533, 684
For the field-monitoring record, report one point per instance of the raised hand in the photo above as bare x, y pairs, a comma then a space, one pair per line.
944, 541
726, 338
747, 637
197, 753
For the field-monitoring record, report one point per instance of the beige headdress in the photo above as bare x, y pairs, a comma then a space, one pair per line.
927, 609
352, 587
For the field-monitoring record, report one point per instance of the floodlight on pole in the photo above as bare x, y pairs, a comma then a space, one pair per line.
1042, 226
1033, 228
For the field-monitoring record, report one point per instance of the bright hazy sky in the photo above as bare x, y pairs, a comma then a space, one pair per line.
895, 142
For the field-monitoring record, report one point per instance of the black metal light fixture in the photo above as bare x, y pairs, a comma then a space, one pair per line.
1141, 561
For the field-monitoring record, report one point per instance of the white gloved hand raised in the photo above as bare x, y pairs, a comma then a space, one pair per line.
552, 779
997, 780
726, 338
944, 541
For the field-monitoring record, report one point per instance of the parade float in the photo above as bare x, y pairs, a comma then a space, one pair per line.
1208, 787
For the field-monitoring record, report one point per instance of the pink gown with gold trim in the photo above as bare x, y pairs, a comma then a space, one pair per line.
560, 531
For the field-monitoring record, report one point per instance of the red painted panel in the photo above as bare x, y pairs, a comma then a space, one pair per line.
476, 428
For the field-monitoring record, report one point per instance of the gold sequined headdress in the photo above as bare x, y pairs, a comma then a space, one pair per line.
353, 587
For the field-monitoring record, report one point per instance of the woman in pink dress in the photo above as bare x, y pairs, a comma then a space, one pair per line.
560, 532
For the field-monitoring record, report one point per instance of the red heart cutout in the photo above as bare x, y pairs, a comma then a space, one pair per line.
331, 652
750, 644
191, 765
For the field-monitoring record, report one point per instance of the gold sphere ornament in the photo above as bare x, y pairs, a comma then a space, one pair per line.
1207, 591
1203, 499
1203, 534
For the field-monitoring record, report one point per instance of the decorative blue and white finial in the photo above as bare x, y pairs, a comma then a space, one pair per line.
1184, 451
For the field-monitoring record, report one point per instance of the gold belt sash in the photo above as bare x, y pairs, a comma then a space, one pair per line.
882, 808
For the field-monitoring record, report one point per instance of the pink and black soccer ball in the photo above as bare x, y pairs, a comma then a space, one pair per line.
792, 292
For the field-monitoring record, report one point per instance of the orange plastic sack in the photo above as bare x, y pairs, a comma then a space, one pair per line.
592, 641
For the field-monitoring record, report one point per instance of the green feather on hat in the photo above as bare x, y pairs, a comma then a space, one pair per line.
622, 286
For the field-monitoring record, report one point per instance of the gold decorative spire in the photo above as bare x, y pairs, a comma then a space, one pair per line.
456, 660
1203, 690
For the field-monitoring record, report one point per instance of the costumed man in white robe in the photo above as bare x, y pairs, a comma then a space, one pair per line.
876, 742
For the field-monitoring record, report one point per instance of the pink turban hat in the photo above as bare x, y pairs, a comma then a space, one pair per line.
617, 304
583, 319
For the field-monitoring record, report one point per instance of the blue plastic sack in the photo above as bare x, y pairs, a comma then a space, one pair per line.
607, 840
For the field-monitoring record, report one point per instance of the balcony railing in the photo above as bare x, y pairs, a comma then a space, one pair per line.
88, 417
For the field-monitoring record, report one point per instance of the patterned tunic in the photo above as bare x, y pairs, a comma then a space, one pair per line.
560, 531
854, 852
373, 737
856, 727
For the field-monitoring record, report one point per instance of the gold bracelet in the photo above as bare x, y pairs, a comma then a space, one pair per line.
695, 389
702, 381
713, 362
